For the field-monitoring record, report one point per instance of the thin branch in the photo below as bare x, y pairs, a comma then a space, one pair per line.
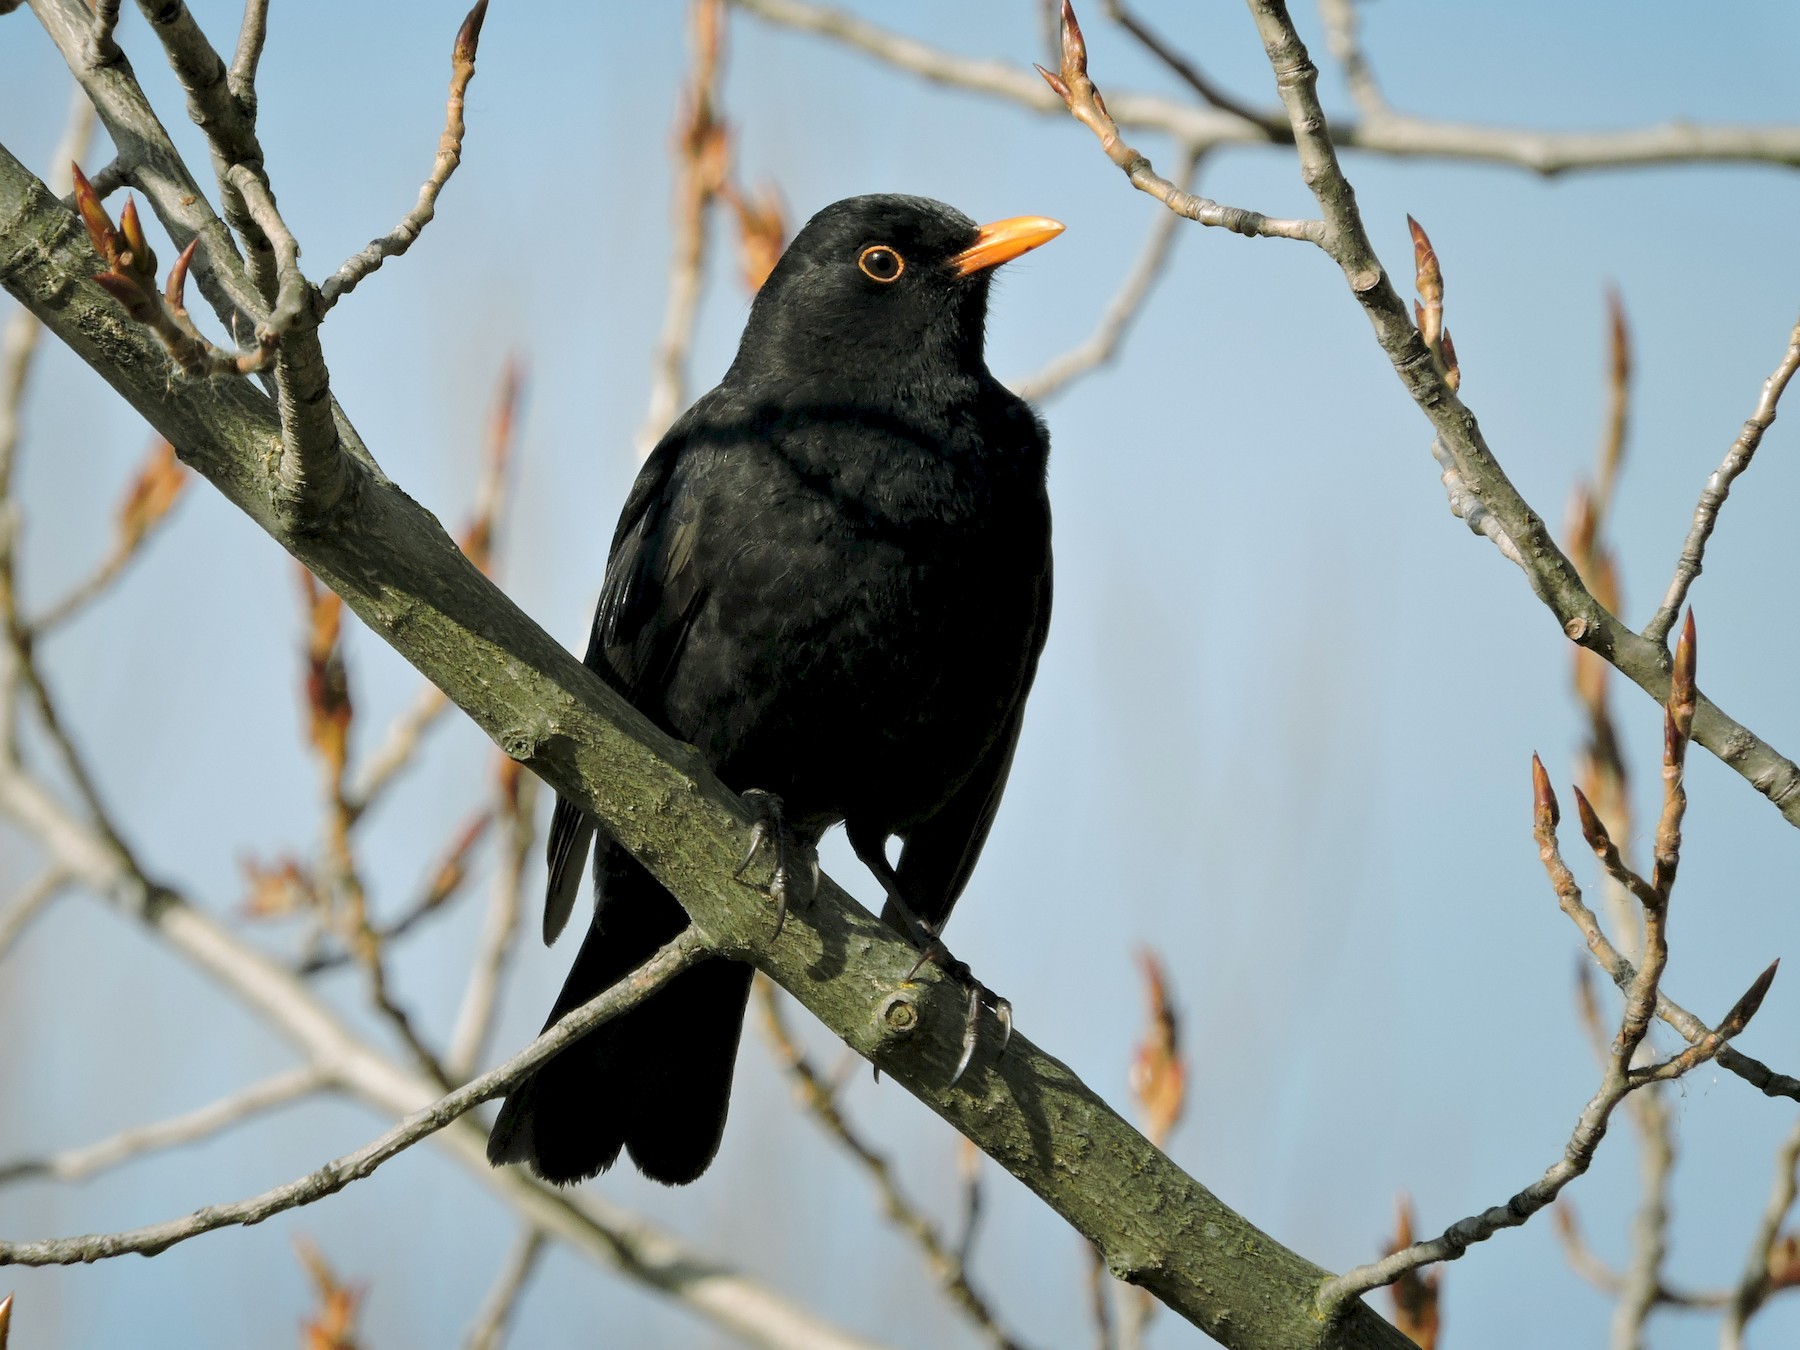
1706, 513
679, 954
76, 1164
1617, 1080
1755, 1285
241, 78
32, 900
1586, 1263
397, 749
475, 1017
1271, 121
1078, 92
700, 171
1343, 37
816, 1095
1395, 134
488, 1331
1099, 347
449, 154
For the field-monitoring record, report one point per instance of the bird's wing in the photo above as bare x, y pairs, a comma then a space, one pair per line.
646, 604
940, 853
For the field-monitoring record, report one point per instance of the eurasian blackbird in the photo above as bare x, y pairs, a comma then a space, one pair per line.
832, 577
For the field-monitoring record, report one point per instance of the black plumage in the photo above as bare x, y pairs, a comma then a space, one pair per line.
832, 577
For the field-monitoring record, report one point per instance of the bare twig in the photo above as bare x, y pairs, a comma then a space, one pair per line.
148, 499
1271, 121
75, 1164
1587, 1264
1706, 513
103, 49
1077, 91
488, 1331
406, 732
518, 832
31, 901
1755, 1284
1343, 37
816, 1095
1618, 1077
1122, 310
449, 154
701, 152
676, 956
1544, 152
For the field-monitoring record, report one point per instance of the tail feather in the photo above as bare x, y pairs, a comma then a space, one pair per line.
656, 1081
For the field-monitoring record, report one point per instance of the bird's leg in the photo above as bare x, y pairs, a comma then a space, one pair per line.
872, 852
771, 828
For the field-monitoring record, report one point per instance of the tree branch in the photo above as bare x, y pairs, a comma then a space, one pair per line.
405, 577
75, 1164
680, 953
1706, 514
1394, 134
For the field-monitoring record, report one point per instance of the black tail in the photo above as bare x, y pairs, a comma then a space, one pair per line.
656, 1081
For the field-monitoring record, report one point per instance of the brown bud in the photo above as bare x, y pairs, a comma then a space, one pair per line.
5, 1319
175, 292
1543, 798
1681, 676
1746, 1007
151, 495
1452, 371
1415, 1293
99, 225
1158, 1075
138, 259
1054, 81
127, 292
1620, 338
1074, 46
468, 37
1593, 829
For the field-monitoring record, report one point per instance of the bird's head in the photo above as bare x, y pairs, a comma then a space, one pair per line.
878, 286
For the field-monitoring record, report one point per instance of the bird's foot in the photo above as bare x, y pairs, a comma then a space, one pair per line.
771, 831
980, 996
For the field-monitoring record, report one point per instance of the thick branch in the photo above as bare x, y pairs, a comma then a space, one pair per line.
404, 576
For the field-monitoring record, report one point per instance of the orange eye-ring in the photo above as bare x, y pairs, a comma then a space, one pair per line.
880, 263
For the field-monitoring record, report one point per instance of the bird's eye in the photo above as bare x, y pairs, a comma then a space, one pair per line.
881, 263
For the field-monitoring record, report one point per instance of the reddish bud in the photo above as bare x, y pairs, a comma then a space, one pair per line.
1158, 1074
152, 493
176, 290
128, 293
139, 259
1620, 337
1593, 829
1544, 807
5, 1319
468, 37
1074, 46
1427, 276
99, 225
1054, 81
1452, 371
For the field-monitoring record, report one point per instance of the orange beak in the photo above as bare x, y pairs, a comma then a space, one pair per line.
1003, 241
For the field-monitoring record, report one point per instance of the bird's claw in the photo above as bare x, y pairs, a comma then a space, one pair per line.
979, 996
770, 826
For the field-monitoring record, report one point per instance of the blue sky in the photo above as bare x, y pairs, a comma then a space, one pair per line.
1281, 733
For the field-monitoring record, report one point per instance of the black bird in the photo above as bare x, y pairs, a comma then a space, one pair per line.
832, 577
